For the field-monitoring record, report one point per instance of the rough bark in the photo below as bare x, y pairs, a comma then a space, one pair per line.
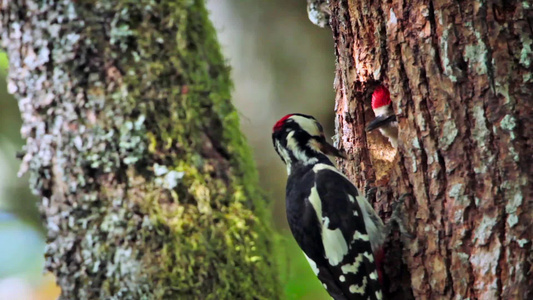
461, 78
148, 187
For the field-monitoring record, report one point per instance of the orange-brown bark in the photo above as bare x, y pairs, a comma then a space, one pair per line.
461, 78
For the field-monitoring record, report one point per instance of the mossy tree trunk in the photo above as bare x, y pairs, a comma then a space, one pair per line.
461, 78
148, 188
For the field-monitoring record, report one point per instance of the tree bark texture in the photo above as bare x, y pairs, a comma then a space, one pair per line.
461, 79
148, 187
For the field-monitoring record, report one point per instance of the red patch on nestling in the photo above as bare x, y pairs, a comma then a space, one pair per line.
280, 123
380, 97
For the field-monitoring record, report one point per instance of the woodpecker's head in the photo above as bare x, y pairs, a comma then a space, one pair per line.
382, 107
300, 139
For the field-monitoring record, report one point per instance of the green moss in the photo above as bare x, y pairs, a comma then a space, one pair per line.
211, 230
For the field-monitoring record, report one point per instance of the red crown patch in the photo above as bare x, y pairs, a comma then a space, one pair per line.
280, 123
380, 97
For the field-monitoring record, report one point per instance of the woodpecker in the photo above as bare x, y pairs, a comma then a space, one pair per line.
337, 228
385, 118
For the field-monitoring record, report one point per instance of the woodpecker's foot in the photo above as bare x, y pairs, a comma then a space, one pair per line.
398, 217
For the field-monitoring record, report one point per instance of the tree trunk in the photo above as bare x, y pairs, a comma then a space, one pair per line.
461, 79
148, 187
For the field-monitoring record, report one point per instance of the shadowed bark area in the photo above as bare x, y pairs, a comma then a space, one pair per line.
461, 79
148, 187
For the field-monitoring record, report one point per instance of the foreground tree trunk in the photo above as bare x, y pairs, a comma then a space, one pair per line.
148, 187
461, 78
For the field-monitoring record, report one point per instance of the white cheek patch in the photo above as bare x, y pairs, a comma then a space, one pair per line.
299, 154
285, 155
380, 111
335, 246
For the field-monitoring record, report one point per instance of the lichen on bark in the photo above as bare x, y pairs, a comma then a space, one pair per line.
148, 187
460, 80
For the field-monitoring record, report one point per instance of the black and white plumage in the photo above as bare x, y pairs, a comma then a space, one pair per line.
337, 229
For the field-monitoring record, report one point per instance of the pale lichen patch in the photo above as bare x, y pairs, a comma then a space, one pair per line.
477, 55
508, 123
392, 18
456, 190
448, 135
512, 220
480, 131
485, 229
526, 53
446, 61
523, 242
514, 203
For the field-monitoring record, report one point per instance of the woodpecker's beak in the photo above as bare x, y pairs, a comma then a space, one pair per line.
328, 149
380, 121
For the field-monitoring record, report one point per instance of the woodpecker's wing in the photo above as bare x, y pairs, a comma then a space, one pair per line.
348, 266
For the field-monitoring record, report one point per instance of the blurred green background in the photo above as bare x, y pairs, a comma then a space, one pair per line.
281, 64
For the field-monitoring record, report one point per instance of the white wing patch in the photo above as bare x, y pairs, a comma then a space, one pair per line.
335, 246
373, 223
373, 275
369, 256
312, 264
354, 267
358, 236
358, 289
